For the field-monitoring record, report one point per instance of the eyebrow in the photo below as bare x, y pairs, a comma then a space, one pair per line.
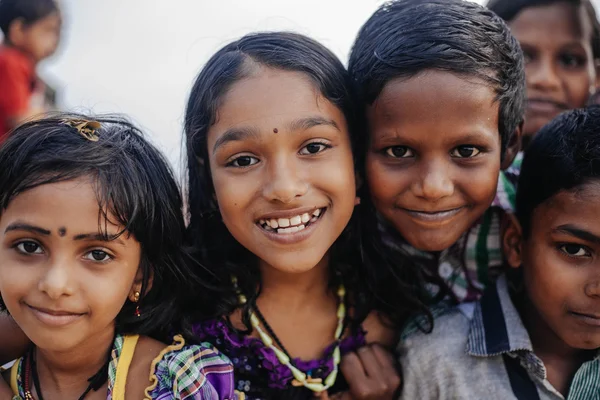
578, 233
233, 135
22, 226
237, 134
311, 122
99, 237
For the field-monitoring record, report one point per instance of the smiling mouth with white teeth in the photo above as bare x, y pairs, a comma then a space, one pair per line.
291, 225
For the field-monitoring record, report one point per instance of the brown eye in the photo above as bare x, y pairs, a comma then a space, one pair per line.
399, 152
29, 248
574, 250
572, 60
243, 161
313, 148
465, 152
98, 255
527, 56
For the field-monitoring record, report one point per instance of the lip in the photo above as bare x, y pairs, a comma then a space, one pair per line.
296, 237
433, 217
545, 106
588, 319
55, 318
289, 213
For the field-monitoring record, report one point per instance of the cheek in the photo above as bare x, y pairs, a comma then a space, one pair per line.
579, 89
338, 174
480, 184
233, 193
15, 283
384, 183
109, 292
548, 281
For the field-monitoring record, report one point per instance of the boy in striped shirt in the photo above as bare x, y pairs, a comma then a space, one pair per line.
536, 333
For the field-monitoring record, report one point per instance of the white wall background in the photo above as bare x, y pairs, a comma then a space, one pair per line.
140, 57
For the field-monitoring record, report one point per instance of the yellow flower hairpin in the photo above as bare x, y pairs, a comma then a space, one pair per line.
87, 129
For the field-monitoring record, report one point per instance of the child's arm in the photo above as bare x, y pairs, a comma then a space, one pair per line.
13, 342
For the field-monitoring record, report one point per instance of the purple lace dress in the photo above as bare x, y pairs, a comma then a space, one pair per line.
258, 373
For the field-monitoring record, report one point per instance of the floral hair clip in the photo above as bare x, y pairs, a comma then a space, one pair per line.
87, 129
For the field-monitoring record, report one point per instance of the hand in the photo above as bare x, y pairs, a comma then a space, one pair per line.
371, 374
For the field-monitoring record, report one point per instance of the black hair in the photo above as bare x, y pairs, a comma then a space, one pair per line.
564, 154
509, 9
404, 38
217, 248
134, 186
30, 11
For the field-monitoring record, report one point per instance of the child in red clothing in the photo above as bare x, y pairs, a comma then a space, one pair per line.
31, 31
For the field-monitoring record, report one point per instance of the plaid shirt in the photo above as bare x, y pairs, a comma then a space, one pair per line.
185, 372
483, 351
475, 259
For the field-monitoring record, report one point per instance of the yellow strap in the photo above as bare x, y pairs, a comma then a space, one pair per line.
14, 373
123, 364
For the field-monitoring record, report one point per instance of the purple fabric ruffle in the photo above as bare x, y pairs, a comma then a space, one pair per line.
238, 347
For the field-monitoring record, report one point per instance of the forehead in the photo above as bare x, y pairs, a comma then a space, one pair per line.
270, 98
547, 23
69, 204
579, 206
434, 98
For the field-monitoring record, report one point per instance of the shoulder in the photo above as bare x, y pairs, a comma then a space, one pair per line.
191, 371
434, 364
446, 342
14, 59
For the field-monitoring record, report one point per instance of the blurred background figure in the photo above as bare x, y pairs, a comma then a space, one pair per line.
561, 43
161, 46
31, 30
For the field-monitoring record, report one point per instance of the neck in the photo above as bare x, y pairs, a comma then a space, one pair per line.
294, 291
68, 371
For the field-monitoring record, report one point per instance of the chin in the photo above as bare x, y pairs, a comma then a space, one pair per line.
54, 343
292, 264
431, 243
585, 342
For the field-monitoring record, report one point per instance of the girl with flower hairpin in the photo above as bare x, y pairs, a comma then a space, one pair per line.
93, 269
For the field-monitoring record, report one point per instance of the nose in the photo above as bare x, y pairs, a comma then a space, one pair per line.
434, 182
57, 281
285, 181
592, 288
542, 75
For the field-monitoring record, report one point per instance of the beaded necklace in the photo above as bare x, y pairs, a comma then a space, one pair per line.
300, 378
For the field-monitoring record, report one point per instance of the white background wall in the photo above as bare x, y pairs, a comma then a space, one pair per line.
140, 56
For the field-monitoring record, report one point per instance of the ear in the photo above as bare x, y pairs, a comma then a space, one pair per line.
136, 287
513, 147
16, 31
512, 240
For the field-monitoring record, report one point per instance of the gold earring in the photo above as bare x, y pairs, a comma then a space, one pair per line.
136, 298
